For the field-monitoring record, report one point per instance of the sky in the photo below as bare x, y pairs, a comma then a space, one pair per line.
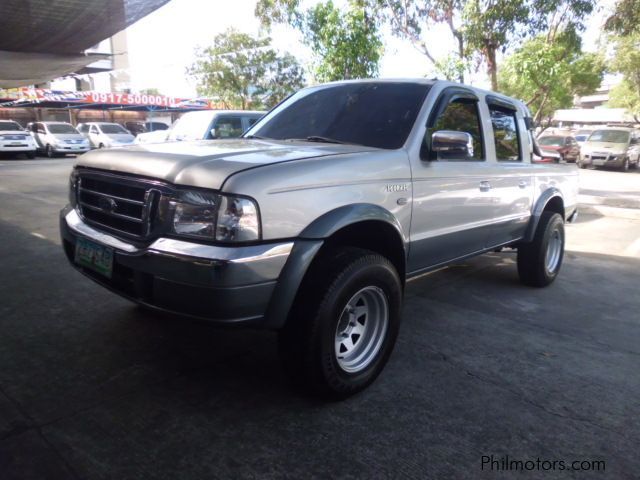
161, 46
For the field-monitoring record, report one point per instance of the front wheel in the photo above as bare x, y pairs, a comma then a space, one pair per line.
625, 165
49, 151
344, 324
539, 261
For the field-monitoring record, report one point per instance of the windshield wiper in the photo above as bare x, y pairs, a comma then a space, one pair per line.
319, 139
256, 137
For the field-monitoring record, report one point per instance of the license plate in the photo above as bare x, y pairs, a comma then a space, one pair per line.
599, 162
96, 257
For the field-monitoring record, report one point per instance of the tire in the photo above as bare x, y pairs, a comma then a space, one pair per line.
625, 165
49, 151
580, 164
101, 145
333, 352
31, 155
539, 261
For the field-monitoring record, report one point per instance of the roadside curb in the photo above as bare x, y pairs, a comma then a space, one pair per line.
605, 211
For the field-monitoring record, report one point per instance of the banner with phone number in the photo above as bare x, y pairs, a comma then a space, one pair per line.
111, 98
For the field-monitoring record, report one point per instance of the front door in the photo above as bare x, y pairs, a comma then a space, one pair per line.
453, 205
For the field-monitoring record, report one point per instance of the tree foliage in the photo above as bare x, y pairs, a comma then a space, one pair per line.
410, 20
625, 19
245, 72
626, 60
547, 73
345, 43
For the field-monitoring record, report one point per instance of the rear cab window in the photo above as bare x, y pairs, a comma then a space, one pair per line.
506, 134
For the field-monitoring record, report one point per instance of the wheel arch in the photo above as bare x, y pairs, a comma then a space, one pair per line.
361, 225
550, 200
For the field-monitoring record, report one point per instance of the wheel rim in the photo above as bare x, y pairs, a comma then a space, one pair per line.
554, 249
361, 329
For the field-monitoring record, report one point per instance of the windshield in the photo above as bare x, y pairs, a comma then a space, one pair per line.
8, 126
609, 136
582, 137
111, 128
62, 128
373, 114
191, 126
551, 141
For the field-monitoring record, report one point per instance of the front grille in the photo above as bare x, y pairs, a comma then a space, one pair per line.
118, 203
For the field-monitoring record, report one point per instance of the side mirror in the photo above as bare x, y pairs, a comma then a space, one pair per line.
214, 133
452, 142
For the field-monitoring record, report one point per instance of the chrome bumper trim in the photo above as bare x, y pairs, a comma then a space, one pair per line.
174, 247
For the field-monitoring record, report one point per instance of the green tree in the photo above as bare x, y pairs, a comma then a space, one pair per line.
490, 26
410, 20
346, 43
626, 60
625, 19
245, 72
547, 72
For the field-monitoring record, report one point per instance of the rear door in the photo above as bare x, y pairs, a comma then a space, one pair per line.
452, 207
511, 177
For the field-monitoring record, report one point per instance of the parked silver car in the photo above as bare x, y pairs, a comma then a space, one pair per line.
58, 138
106, 135
613, 147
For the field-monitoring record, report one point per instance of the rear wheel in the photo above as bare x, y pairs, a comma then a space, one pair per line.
539, 261
344, 324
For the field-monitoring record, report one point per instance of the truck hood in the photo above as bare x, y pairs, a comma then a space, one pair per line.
206, 163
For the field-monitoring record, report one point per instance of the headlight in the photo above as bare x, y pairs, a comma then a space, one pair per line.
218, 217
238, 220
73, 187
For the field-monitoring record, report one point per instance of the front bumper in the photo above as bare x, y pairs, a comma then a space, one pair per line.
17, 148
70, 149
602, 160
221, 284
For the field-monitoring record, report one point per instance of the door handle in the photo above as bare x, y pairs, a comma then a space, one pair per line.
485, 186
522, 184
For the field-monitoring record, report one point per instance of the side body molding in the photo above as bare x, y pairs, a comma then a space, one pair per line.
307, 246
538, 208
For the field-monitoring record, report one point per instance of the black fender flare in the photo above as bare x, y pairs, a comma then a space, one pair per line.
307, 246
538, 208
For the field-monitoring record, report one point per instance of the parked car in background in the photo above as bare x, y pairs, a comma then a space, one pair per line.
565, 145
205, 125
582, 135
136, 128
15, 139
105, 135
614, 147
58, 138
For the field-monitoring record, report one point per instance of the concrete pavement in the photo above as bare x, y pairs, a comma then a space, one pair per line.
92, 387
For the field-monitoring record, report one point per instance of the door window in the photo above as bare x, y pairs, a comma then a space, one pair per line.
505, 134
93, 129
228, 127
41, 128
461, 115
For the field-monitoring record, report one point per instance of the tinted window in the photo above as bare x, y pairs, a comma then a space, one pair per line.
228, 127
40, 128
461, 115
112, 128
609, 136
61, 128
7, 126
372, 114
581, 138
505, 134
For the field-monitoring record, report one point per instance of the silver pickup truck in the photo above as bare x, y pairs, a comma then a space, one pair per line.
312, 222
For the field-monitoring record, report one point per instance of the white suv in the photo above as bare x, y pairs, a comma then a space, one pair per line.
14, 139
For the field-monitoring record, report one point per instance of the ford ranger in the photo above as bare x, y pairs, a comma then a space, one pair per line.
312, 222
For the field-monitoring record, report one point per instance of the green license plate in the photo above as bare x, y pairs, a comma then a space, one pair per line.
96, 257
